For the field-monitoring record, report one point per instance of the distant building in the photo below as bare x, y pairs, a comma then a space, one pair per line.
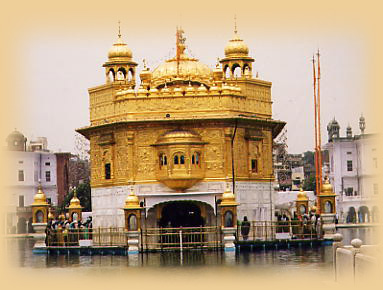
352, 166
28, 164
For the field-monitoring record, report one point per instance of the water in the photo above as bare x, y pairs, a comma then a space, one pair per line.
305, 258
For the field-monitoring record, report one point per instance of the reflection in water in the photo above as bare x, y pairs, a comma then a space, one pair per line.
304, 258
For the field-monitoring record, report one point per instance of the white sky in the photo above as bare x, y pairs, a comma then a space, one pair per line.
59, 67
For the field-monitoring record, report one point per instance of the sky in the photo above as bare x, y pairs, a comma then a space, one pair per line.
59, 65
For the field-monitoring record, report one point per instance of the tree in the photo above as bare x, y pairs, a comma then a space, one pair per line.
309, 184
308, 157
83, 194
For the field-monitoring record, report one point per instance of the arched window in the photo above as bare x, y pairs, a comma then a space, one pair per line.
227, 72
228, 219
302, 209
130, 75
132, 222
121, 73
328, 207
39, 216
197, 158
182, 159
75, 216
193, 159
237, 72
176, 159
165, 160
111, 75
161, 159
246, 70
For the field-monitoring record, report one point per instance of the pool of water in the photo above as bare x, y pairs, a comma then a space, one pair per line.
304, 258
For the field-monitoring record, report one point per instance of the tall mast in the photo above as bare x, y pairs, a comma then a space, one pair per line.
316, 131
319, 129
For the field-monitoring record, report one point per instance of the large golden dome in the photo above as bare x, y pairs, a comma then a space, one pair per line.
119, 50
181, 68
236, 47
187, 69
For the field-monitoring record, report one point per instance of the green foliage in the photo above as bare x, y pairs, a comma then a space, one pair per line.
83, 194
309, 183
308, 157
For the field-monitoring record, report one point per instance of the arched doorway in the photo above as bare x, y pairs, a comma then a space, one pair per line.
351, 216
364, 214
181, 214
21, 226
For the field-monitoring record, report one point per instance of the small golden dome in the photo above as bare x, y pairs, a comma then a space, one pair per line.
39, 198
120, 50
228, 197
327, 187
75, 202
236, 47
50, 214
132, 200
302, 195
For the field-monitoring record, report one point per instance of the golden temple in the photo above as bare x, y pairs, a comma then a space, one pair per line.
176, 134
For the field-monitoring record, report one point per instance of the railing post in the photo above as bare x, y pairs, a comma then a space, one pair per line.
337, 243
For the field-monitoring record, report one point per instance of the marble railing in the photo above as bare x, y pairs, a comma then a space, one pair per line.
355, 263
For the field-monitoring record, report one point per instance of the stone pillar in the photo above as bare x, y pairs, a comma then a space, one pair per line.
39, 220
132, 211
338, 238
328, 226
228, 209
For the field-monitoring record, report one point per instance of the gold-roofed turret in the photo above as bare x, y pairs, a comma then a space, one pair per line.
74, 202
302, 196
327, 187
228, 197
39, 198
50, 214
132, 201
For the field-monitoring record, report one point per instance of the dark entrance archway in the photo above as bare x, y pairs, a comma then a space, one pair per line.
181, 214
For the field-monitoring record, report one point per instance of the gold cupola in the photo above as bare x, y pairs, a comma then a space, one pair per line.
228, 197
132, 201
120, 65
75, 208
236, 47
237, 63
39, 198
74, 202
302, 196
327, 187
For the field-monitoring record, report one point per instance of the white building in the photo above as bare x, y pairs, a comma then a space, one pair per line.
26, 169
353, 165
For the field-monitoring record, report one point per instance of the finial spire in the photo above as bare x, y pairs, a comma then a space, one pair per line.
119, 29
235, 24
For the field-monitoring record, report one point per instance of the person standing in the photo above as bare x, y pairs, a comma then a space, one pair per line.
245, 228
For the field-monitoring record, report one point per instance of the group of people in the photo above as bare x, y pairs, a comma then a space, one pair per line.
63, 232
299, 226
